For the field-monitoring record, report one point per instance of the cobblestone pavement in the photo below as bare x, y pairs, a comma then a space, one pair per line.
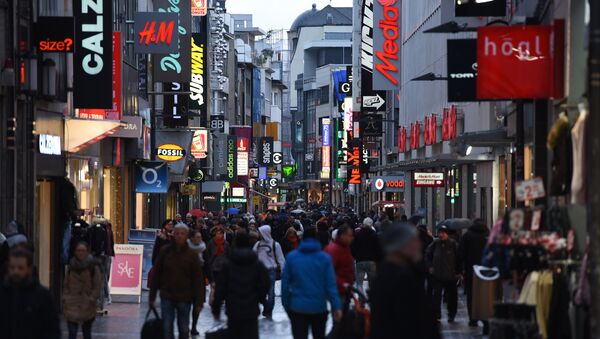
124, 321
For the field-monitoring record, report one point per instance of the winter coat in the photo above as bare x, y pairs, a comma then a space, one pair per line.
27, 312
81, 289
343, 263
242, 284
178, 275
214, 263
308, 280
472, 244
162, 239
287, 246
366, 245
443, 258
398, 305
264, 249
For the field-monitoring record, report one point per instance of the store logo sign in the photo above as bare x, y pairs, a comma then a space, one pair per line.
199, 62
156, 33
388, 184
386, 41
170, 152
50, 144
59, 39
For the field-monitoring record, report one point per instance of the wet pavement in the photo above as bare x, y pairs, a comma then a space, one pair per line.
124, 321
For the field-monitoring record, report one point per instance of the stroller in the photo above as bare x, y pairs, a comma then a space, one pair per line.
356, 317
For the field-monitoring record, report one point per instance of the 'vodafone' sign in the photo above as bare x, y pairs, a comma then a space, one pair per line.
388, 184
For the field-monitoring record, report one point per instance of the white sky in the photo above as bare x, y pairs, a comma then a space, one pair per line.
277, 14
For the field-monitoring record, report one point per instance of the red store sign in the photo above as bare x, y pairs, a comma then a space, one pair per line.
430, 130
449, 123
402, 139
518, 62
415, 135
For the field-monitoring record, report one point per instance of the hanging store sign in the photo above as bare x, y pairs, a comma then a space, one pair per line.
155, 32
175, 67
265, 151
200, 144
479, 8
151, 177
231, 174
49, 144
354, 163
132, 129
220, 154
326, 131
243, 156
428, 179
175, 111
287, 171
386, 44
199, 7
449, 123
388, 184
143, 75
524, 50
59, 39
217, 123
371, 125
93, 57
198, 85
170, 152
462, 70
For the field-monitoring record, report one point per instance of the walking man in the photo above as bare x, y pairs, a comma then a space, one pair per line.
242, 285
343, 263
366, 250
443, 262
307, 284
178, 276
270, 254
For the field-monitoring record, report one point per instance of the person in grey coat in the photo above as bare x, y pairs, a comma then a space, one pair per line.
443, 261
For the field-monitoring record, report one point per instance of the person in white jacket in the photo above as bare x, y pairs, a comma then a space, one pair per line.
269, 254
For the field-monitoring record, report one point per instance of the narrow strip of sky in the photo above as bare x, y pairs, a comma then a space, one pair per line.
278, 14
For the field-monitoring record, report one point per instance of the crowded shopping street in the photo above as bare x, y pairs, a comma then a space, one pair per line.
295, 169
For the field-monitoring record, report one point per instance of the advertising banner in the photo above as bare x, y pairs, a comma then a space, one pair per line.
354, 163
243, 156
430, 130
59, 39
175, 110
220, 154
155, 32
116, 111
402, 140
387, 40
126, 270
256, 96
449, 117
388, 184
231, 175
199, 7
462, 70
524, 50
265, 151
200, 144
93, 57
175, 67
428, 179
199, 83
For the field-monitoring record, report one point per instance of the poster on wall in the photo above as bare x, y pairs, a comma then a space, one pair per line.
93, 57
126, 270
175, 67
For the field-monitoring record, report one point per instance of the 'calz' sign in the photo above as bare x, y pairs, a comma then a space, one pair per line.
92, 65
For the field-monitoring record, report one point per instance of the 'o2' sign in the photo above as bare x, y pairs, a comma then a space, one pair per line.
151, 177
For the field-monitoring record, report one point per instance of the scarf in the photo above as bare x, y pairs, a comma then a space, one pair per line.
77, 265
220, 246
293, 242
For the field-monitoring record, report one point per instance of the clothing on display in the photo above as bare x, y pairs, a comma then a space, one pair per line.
560, 144
578, 184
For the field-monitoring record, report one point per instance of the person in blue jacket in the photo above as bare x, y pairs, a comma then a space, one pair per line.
307, 284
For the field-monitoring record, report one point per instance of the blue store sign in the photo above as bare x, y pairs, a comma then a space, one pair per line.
151, 177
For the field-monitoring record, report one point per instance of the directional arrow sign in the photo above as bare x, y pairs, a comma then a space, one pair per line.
373, 102
277, 158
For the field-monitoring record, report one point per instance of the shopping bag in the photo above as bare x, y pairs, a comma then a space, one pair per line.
219, 332
356, 320
153, 328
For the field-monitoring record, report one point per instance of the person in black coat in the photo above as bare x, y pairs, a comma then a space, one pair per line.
471, 250
242, 284
27, 310
366, 250
399, 307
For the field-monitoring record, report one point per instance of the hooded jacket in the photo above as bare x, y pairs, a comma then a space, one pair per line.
343, 263
472, 244
308, 280
81, 289
366, 246
264, 249
242, 285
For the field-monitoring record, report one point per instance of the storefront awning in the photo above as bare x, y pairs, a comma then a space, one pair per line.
443, 160
493, 138
80, 133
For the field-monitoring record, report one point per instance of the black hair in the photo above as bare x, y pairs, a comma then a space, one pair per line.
18, 252
166, 222
310, 232
343, 229
241, 240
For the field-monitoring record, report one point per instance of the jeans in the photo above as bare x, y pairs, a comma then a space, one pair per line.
270, 303
450, 291
168, 309
242, 328
86, 328
364, 268
301, 322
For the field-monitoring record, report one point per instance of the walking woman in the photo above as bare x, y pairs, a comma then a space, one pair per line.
82, 286
163, 237
196, 244
269, 254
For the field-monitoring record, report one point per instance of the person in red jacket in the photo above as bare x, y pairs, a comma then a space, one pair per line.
341, 255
